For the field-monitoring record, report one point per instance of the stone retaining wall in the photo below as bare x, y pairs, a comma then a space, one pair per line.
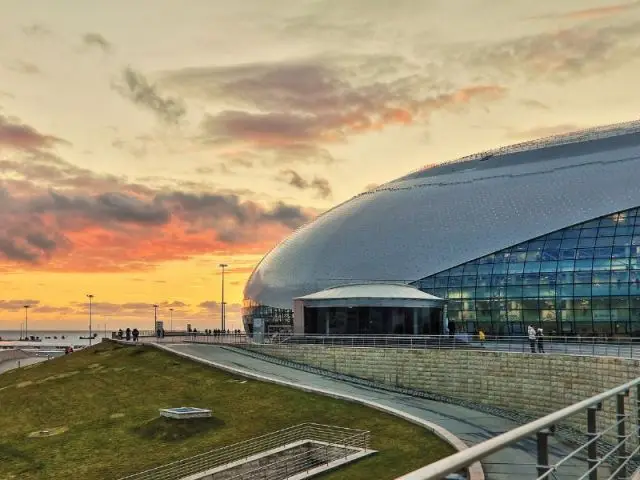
531, 383
12, 354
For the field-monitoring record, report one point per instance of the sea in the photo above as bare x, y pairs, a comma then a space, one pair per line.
10, 338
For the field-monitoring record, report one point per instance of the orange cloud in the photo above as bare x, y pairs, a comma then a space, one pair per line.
599, 12
55, 216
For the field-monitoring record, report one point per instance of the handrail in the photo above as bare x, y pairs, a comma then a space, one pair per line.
463, 459
240, 450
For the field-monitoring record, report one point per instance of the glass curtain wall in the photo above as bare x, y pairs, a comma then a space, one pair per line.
581, 280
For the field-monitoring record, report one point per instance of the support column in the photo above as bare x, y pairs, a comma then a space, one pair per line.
415, 321
327, 318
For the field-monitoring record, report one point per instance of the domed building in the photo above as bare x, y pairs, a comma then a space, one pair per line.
544, 232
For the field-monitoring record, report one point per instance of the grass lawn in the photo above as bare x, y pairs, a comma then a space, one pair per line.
104, 403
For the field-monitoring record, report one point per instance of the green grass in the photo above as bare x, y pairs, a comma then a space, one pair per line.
86, 393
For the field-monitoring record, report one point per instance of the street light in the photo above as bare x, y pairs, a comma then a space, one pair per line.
26, 322
90, 297
171, 319
222, 309
155, 318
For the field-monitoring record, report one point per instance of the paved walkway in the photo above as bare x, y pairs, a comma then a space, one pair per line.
469, 425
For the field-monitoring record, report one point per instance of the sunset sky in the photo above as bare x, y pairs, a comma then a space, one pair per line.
143, 142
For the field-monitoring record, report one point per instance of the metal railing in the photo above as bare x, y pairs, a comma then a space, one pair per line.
625, 347
339, 437
314, 455
603, 458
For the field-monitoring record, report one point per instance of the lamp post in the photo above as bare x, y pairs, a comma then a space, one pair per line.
90, 297
222, 309
26, 322
171, 319
155, 318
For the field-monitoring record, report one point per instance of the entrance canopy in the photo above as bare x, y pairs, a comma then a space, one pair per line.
371, 295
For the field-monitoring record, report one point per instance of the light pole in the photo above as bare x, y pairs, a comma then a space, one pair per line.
155, 318
222, 312
90, 297
171, 319
26, 322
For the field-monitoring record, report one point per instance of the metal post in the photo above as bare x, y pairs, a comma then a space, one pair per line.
622, 451
222, 309
543, 452
26, 322
592, 451
90, 297
638, 412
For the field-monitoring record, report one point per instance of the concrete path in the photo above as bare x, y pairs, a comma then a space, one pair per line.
469, 425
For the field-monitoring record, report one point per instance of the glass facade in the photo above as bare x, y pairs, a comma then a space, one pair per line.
372, 320
275, 319
581, 280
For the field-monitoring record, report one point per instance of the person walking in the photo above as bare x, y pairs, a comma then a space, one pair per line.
481, 337
531, 331
128, 334
136, 333
540, 340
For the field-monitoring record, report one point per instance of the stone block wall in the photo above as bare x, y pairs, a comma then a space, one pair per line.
12, 354
530, 383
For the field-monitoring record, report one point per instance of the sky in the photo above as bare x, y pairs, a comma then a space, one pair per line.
143, 143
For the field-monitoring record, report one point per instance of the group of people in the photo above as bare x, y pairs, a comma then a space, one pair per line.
128, 334
535, 339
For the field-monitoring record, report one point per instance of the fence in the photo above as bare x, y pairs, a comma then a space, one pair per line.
603, 459
625, 347
338, 442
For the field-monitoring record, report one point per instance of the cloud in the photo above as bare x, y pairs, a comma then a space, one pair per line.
593, 13
135, 87
97, 41
36, 30
19, 136
297, 109
60, 217
17, 305
544, 131
320, 185
23, 67
558, 55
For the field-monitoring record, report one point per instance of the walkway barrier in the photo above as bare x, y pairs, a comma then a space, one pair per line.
626, 347
330, 443
603, 458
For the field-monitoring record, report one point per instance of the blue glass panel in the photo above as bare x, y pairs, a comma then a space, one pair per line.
588, 232
606, 232
566, 266
567, 254
604, 241
569, 243
581, 289
516, 267
531, 267
599, 289
530, 291
587, 242
548, 266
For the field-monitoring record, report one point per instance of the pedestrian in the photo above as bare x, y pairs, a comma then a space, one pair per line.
540, 340
452, 328
481, 337
128, 334
532, 338
136, 333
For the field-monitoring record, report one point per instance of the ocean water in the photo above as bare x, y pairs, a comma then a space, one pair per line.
47, 337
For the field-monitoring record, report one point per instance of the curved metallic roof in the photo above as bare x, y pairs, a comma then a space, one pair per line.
371, 290
446, 215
